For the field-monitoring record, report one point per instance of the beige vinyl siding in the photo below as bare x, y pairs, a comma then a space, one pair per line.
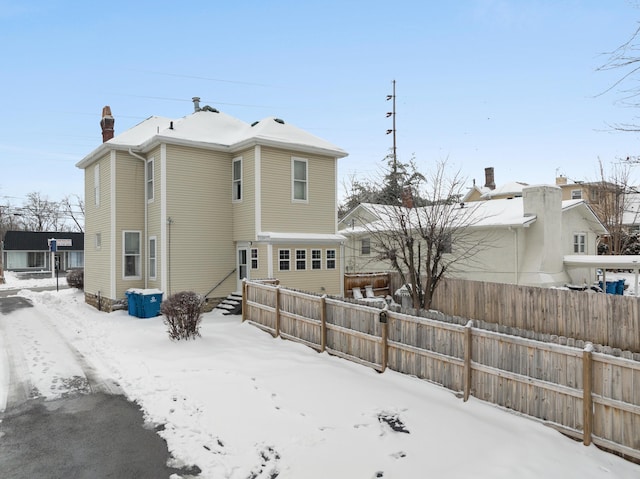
97, 261
244, 211
279, 213
315, 281
199, 205
263, 262
130, 200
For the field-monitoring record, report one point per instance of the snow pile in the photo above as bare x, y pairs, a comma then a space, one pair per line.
238, 403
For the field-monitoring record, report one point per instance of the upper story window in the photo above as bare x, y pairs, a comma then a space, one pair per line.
576, 194
365, 246
150, 180
96, 185
579, 243
236, 185
131, 254
98, 240
299, 179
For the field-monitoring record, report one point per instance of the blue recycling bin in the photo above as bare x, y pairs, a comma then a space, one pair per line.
132, 302
144, 303
613, 287
150, 304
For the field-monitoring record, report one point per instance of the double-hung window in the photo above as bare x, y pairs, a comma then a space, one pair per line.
150, 180
299, 179
331, 259
301, 259
284, 260
576, 194
316, 259
96, 185
236, 185
152, 257
365, 246
254, 258
579, 243
131, 254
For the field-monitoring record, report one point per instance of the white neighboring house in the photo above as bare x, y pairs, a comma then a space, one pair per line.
524, 239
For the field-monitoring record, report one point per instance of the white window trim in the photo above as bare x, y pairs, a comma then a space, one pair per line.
150, 180
334, 259
287, 260
96, 185
124, 256
304, 259
240, 180
316, 260
294, 159
154, 258
252, 259
577, 243
578, 192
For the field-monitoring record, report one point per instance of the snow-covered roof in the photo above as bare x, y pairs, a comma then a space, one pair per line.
513, 188
277, 237
603, 261
215, 130
506, 212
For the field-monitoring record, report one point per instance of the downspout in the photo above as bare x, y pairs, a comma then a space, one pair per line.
515, 249
146, 213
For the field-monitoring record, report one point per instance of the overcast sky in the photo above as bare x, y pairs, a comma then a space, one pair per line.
508, 84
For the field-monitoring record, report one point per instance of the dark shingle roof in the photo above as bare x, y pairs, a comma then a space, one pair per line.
38, 241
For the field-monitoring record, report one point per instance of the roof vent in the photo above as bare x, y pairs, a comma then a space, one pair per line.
196, 103
255, 123
278, 120
208, 108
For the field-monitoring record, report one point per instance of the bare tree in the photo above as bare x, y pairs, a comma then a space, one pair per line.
626, 60
40, 214
73, 208
424, 243
611, 198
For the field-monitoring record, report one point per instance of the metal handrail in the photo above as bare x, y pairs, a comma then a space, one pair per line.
220, 282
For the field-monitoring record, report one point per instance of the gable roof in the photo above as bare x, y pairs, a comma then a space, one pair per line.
500, 213
214, 130
39, 240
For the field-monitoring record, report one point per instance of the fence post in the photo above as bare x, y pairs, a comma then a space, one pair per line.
244, 300
467, 359
277, 311
323, 323
384, 316
587, 387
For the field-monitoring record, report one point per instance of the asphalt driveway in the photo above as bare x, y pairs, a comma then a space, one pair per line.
90, 431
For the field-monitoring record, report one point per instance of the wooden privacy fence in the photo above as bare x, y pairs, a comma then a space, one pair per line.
592, 396
607, 319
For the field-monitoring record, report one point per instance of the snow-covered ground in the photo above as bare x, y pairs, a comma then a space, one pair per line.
241, 404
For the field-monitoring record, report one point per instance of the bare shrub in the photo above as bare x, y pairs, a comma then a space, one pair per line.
182, 315
75, 278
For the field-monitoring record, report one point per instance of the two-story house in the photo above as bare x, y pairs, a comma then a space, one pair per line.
201, 202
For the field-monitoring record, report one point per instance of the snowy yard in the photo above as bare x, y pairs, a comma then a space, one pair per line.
241, 404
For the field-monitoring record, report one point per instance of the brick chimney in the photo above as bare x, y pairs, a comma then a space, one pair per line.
407, 197
106, 124
489, 181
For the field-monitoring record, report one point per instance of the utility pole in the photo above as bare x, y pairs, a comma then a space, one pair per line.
392, 114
